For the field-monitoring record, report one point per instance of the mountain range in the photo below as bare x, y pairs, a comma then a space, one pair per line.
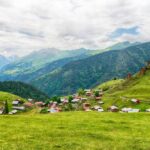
63, 72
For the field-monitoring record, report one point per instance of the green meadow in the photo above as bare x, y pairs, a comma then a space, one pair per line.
75, 131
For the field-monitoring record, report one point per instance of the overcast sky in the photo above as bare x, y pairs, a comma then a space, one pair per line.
27, 25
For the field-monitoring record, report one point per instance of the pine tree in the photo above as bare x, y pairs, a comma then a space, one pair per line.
6, 111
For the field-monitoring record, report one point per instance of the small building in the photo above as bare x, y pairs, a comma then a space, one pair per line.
86, 106
100, 102
16, 102
96, 107
134, 111
130, 110
64, 100
13, 112
113, 108
75, 100
87, 90
19, 108
53, 105
52, 110
31, 100
39, 104
83, 99
100, 109
88, 93
126, 109
1, 112
136, 101
98, 98
147, 110
28, 105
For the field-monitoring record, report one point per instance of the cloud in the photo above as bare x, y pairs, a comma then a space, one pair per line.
31, 25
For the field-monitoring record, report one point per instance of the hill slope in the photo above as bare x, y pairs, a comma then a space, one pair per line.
137, 87
23, 90
94, 70
9, 97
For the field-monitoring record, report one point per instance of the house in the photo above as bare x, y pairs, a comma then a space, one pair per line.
64, 100
126, 109
88, 92
19, 107
52, 110
101, 93
147, 110
136, 101
86, 107
31, 100
53, 105
1, 112
113, 108
39, 104
96, 107
13, 112
16, 102
83, 99
75, 100
134, 111
101, 102
130, 110
28, 105
98, 98
100, 109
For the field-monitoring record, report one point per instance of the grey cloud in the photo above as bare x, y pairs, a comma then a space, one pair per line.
30, 25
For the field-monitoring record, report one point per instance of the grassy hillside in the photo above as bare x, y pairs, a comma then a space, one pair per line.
90, 131
9, 97
109, 84
121, 94
23, 90
94, 70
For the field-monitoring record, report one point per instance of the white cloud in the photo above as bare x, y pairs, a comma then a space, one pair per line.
27, 25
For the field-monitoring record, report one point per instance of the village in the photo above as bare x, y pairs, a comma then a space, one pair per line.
85, 100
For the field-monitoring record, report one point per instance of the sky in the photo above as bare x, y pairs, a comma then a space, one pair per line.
29, 25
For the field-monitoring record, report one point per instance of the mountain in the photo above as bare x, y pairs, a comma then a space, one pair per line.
44, 61
3, 61
94, 70
26, 74
120, 92
122, 45
39, 59
22, 90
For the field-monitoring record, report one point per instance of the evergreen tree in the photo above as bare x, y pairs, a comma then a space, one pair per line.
70, 98
6, 109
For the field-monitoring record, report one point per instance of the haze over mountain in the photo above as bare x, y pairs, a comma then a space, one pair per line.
94, 70
41, 62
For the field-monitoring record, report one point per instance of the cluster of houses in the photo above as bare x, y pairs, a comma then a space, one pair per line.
17, 105
85, 102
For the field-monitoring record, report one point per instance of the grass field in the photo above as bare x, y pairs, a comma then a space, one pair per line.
75, 131
120, 92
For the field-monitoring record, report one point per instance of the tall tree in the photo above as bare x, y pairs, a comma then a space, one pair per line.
6, 109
